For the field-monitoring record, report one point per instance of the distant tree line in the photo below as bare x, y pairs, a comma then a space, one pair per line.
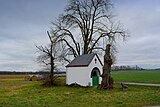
127, 67
30, 72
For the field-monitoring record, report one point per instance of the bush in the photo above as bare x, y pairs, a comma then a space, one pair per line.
48, 83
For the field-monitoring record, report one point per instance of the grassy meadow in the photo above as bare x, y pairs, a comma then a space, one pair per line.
146, 76
19, 93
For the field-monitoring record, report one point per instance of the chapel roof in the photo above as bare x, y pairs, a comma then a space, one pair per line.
82, 60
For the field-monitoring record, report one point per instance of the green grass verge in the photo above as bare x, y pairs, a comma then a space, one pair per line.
150, 76
32, 94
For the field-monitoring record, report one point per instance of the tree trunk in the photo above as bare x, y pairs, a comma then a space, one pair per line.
107, 81
85, 50
52, 66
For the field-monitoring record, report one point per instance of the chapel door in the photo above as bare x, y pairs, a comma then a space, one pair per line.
95, 80
95, 76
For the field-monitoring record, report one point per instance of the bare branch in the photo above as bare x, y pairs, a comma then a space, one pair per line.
88, 21
72, 48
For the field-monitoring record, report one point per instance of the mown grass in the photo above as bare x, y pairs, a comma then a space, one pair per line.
22, 93
146, 76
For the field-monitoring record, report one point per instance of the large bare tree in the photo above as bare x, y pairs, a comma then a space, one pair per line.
85, 27
85, 24
48, 55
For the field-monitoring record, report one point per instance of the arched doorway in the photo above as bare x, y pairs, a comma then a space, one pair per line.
95, 76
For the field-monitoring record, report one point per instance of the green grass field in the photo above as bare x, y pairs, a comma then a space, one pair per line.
15, 92
150, 76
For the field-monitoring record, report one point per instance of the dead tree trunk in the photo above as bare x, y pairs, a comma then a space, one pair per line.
107, 81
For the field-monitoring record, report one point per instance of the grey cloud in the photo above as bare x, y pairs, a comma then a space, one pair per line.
24, 24
141, 18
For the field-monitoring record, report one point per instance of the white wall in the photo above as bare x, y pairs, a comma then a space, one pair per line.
78, 75
93, 65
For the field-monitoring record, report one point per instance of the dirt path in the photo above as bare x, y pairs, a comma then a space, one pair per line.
144, 84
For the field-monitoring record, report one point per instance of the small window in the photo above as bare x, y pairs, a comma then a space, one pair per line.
95, 60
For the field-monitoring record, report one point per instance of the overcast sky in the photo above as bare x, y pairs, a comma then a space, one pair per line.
23, 23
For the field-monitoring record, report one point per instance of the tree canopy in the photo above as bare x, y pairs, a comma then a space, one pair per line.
85, 24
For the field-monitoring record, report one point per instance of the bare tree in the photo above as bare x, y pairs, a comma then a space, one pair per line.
85, 24
49, 54
85, 27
